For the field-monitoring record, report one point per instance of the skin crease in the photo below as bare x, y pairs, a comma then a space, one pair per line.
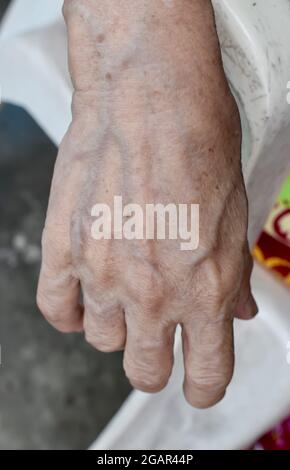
153, 121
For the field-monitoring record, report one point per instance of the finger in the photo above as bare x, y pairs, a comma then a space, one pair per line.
58, 289
104, 325
148, 357
208, 360
246, 306
58, 297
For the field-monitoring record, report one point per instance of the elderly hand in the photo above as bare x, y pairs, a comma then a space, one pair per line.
153, 121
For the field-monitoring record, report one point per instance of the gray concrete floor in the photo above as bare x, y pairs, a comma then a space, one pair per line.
56, 392
3, 6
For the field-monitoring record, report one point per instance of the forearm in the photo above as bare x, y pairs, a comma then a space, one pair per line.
169, 47
133, 59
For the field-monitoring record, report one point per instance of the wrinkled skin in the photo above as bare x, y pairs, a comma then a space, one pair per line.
153, 121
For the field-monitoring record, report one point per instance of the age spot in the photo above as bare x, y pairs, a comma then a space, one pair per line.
101, 38
125, 64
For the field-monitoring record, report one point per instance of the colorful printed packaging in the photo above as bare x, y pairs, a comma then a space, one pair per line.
273, 247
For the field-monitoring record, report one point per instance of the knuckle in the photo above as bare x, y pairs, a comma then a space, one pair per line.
91, 339
47, 309
151, 301
102, 344
145, 382
222, 282
219, 286
146, 286
144, 375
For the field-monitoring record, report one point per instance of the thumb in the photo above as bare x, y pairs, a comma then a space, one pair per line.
246, 307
